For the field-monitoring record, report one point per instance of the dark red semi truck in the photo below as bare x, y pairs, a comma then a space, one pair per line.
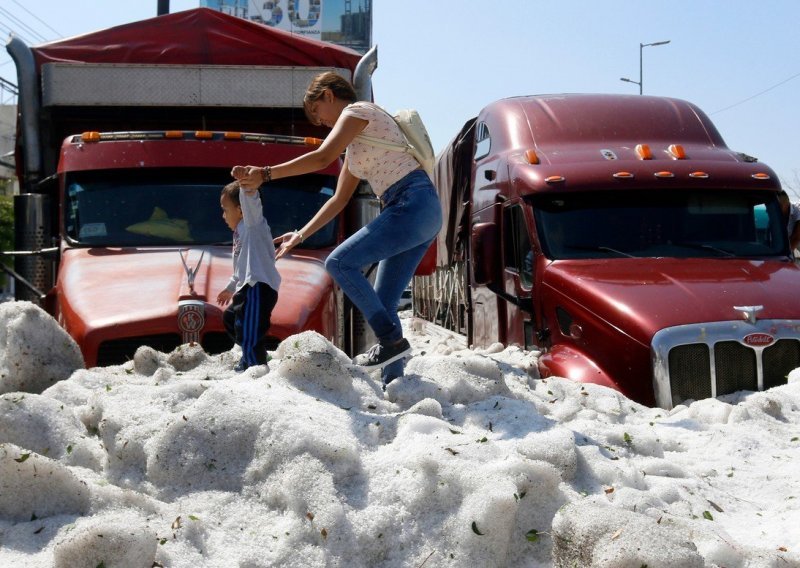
125, 139
623, 239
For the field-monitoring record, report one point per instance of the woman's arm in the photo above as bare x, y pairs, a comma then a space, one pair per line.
343, 132
345, 187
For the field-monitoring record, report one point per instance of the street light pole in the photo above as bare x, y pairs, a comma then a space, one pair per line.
641, 48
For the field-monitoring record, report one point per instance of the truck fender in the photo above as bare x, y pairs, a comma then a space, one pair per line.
571, 363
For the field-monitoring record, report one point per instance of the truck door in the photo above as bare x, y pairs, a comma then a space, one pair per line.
518, 262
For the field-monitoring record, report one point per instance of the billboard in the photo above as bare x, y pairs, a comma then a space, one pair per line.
343, 22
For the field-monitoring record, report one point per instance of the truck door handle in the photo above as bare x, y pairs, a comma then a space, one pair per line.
489, 174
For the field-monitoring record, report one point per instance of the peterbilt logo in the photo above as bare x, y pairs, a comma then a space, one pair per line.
191, 319
758, 339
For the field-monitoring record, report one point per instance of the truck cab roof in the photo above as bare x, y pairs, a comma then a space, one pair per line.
566, 141
551, 122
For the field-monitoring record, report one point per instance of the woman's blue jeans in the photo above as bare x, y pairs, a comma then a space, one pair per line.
397, 240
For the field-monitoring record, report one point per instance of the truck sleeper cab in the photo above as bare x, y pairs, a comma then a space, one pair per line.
620, 237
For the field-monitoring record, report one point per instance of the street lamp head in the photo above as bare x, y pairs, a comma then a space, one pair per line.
628, 80
641, 49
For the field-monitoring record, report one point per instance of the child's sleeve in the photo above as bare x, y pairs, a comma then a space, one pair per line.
252, 211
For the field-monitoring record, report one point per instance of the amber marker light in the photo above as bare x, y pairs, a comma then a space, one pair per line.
644, 152
204, 134
664, 174
309, 141
760, 175
90, 137
677, 151
232, 136
531, 157
555, 179
623, 175
173, 134
698, 175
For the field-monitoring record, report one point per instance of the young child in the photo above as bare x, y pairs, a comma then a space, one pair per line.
253, 288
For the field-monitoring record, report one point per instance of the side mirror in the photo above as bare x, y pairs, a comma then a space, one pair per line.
485, 253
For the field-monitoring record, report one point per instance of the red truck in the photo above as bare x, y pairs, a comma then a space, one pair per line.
619, 236
125, 139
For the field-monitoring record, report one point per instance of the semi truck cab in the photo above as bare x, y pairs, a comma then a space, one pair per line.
620, 237
122, 153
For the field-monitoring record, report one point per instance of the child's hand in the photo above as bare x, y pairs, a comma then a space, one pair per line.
249, 177
224, 297
238, 172
287, 241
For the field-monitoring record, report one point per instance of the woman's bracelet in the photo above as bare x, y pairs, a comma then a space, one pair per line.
266, 174
298, 233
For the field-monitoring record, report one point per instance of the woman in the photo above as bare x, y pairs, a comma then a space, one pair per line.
398, 238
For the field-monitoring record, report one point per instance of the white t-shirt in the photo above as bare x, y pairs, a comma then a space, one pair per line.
379, 166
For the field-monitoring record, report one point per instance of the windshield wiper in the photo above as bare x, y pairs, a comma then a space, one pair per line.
704, 246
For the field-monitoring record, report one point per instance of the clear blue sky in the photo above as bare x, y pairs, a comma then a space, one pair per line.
737, 60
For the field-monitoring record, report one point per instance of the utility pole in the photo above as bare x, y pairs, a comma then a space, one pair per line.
641, 48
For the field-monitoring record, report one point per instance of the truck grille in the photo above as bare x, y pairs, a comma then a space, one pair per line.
699, 361
779, 361
117, 351
216, 342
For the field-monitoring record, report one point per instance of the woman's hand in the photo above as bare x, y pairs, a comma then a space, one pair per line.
249, 177
287, 241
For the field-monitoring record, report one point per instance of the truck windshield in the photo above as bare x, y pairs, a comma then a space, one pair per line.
679, 224
125, 211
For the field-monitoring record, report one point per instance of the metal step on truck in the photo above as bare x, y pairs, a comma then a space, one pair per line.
125, 139
620, 237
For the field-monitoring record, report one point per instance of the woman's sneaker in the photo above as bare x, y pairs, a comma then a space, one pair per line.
381, 355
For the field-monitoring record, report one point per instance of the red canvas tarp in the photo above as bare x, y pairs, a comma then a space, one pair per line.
196, 37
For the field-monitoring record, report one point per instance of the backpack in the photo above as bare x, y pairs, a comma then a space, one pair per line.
418, 143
